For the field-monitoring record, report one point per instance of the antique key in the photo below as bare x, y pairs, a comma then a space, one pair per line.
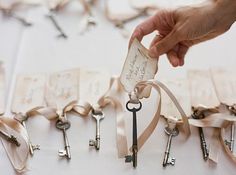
171, 133
98, 116
55, 23
32, 147
10, 138
23, 21
230, 143
64, 125
205, 152
133, 158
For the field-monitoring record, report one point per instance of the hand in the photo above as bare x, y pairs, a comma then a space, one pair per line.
184, 27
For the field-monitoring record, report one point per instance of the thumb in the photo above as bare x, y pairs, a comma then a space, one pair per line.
165, 44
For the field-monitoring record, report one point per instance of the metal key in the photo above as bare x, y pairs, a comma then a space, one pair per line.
230, 143
22, 20
133, 157
55, 23
22, 120
64, 125
205, 151
10, 138
32, 147
98, 116
171, 133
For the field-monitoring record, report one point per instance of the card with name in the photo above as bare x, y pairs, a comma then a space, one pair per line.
225, 85
138, 67
62, 88
202, 91
93, 85
29, 92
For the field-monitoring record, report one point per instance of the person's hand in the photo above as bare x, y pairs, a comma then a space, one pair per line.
184, 27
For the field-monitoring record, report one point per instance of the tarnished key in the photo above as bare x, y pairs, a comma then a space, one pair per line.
22, 20
133, 158
205, 152
171, 133
55, 23
98, 116
10, 138
64, 125
230, 143
32, 147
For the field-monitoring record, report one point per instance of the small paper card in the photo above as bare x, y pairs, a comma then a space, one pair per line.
138, 67
2, 89
93, 85
179, 87
62, 88
225, 85
202, 90
29, 92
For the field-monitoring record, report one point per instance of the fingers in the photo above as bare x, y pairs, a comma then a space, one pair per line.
164, 45
145, 28
173, 58
177, 54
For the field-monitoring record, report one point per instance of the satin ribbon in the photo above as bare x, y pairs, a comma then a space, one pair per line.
152, 125
218, 121
17, 155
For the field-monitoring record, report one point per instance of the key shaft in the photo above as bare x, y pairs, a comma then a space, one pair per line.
10, 138
57, 26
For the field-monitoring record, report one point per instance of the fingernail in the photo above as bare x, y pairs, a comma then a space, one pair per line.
175, 62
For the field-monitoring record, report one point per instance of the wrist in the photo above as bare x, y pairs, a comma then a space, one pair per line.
226, 9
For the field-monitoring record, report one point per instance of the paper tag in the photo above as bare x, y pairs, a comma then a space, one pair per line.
62, 88
93, 85
138, 67
202, 90
29, 92
225, 85
2, 89
180, 89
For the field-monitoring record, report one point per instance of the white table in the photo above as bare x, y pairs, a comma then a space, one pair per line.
36, 49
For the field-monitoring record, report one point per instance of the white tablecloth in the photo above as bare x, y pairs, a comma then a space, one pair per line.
36, 49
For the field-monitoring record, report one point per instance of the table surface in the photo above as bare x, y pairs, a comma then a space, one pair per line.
36, 49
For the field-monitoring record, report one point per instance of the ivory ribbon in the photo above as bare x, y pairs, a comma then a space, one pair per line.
225, 83
152, 125
17, 155
219, 121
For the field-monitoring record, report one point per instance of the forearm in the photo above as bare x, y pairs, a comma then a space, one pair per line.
226, 9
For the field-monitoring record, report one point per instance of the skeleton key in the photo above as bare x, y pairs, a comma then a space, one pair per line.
98, 115
64, 125
10, 138
22, 20
171, 133
133, 158
55, 23
205, 152
32, 147
230, 143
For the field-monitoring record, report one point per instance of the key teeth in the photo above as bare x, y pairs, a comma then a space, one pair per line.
92, 142
62, 153
36, 147
171, 161
128, 159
